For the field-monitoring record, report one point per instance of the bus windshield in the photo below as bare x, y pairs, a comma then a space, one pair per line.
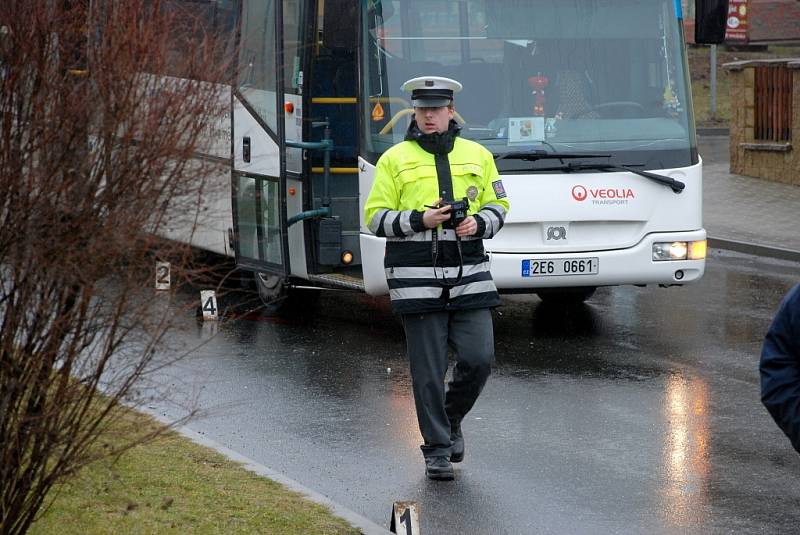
558, 75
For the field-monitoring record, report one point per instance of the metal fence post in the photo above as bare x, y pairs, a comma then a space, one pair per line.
713, 81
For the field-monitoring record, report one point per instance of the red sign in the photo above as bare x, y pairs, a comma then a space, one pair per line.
737, 21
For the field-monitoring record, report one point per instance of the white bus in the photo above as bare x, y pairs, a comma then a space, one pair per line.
585, 104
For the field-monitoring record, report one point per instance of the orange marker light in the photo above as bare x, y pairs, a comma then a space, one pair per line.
347, 257
292, 191
289, 107
697, 250
377, 112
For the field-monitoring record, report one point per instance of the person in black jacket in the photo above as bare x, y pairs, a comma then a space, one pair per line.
780, 367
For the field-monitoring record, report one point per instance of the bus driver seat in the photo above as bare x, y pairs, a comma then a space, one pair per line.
572, 100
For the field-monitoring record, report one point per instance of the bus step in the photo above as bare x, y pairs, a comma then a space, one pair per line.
338, 280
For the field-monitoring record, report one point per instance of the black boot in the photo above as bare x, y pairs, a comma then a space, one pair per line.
439, 468
456, 443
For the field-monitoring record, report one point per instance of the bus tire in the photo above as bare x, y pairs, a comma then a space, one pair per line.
566, 296
278, 298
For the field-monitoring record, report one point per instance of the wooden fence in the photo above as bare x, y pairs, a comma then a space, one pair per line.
773, 103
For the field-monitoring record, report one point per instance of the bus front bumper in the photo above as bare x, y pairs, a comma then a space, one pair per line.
633, 265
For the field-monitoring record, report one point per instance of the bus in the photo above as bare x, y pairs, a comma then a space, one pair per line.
585, 104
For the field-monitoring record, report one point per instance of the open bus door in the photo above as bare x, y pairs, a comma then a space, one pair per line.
267, 170
295, 127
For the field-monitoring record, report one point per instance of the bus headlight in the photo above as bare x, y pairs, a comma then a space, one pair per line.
679, 250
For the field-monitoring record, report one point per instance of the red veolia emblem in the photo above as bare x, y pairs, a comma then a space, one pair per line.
579, 193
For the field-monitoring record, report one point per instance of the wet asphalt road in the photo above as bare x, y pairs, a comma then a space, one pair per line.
636, 413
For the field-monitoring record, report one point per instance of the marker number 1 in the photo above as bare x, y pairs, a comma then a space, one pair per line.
405, 521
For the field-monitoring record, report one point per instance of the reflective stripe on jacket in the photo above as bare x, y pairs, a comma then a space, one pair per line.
405, 182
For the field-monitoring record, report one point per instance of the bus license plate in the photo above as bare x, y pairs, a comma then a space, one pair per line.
553, 267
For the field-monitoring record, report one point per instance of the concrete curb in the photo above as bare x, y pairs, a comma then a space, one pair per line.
754, 249
363, 524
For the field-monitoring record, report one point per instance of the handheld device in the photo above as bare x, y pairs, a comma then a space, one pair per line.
458, 211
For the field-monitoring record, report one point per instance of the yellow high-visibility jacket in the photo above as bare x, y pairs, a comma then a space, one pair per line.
422, 277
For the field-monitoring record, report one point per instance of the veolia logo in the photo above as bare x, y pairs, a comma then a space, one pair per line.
580, 193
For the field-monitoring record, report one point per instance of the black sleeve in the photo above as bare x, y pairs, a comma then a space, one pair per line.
481, 226
780, 367
416, 221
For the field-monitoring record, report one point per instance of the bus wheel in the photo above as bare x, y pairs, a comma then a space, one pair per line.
566, 296
279, 299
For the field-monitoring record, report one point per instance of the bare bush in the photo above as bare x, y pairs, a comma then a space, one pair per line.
95, 154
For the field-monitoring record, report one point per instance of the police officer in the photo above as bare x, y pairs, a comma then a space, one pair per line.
435, 197
780, 367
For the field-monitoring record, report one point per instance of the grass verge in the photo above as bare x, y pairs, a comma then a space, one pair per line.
172, 485
700, 68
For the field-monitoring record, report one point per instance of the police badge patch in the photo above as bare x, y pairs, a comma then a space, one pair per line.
499, 190
472, 193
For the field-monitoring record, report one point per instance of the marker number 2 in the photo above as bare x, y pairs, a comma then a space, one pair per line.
162, 276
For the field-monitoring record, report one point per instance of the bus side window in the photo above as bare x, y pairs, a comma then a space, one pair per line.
196, 26
256, 76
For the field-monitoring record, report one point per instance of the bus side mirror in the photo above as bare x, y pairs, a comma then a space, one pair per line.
710, 21
340, 24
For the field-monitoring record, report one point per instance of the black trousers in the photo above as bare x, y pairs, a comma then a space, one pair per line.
469, 333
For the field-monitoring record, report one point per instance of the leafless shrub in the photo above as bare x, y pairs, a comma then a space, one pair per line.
95, 154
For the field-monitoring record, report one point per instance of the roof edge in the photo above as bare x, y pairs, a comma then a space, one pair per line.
792, 63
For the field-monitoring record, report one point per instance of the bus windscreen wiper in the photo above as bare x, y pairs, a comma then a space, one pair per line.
676, 185
533, 155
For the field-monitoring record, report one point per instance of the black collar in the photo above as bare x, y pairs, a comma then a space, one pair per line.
437, 142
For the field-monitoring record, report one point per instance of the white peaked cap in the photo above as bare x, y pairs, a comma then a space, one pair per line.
431, 91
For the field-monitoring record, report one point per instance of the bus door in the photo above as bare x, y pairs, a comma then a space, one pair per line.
268, 111
331, 92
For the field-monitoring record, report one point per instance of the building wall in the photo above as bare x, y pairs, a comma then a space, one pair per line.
773, 161
773, 20
766, 21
